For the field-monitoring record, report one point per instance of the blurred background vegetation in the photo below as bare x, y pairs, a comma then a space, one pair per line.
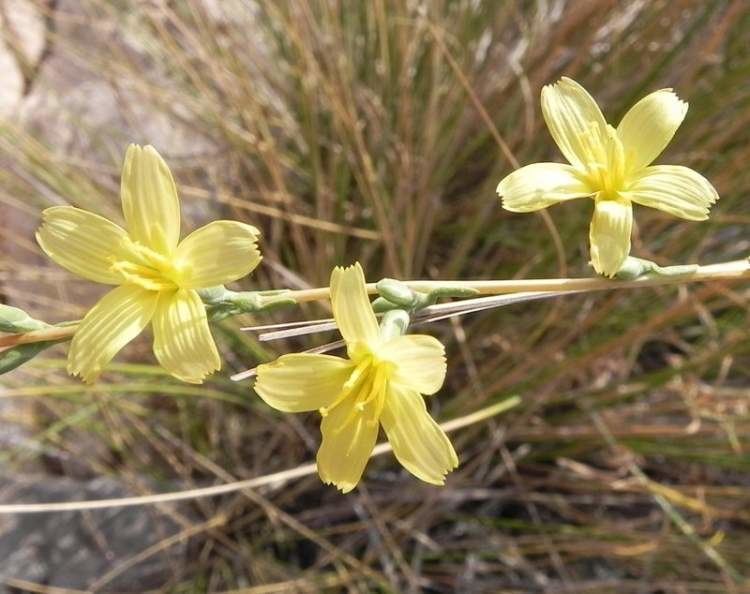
377, 131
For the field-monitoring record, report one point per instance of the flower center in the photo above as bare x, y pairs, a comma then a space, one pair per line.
605, 160
365, 389
146, 268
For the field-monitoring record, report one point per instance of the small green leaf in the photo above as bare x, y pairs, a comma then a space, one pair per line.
17, 321
634, 268
220, 305
213, 294
21, 354
394, 323
397, 295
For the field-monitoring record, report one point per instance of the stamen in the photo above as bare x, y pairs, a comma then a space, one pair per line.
375, 389
357, 377
148, 256
376, 378
149, 269
144, 277
380, 405
605, 158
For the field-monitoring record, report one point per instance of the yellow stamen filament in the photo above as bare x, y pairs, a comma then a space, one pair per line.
357, 377
150, 269
367, 384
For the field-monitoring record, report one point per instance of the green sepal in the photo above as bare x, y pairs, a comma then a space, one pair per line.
222, 303
634, 268
17, 321
396, 295
213, 294
17, 356
394, 323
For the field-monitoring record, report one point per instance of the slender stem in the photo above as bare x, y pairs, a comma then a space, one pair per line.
52, 333
737, 269
271, 481
734, 270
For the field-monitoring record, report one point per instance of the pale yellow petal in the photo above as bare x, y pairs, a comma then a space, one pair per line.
351, 306
302, 382
540, 185
219, 253
574, 120
82, 242
149, 199
610, 235
182, 338
649, 125
112, 323
348, 439
419, 362
680, 191
419, 443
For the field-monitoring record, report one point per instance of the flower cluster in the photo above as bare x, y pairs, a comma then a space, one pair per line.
386, 374
158, 277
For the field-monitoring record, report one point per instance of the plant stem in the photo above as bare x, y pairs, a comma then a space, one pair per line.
737, 269
44, 335
270, 481
734, 270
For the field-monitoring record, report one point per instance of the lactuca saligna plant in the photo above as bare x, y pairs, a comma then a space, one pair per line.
178, 286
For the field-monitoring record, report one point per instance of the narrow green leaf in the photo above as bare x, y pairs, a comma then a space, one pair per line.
21, 354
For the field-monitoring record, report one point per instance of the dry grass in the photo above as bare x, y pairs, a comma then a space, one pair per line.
378, 131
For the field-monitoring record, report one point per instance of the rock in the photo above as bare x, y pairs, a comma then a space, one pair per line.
21, 49
11, 82
70, 550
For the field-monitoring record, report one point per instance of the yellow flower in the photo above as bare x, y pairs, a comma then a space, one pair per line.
611, 166
381, 382
157, 275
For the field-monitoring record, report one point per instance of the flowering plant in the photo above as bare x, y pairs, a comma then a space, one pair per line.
177, 287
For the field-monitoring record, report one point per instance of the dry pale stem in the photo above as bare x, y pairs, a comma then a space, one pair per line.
726, 271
